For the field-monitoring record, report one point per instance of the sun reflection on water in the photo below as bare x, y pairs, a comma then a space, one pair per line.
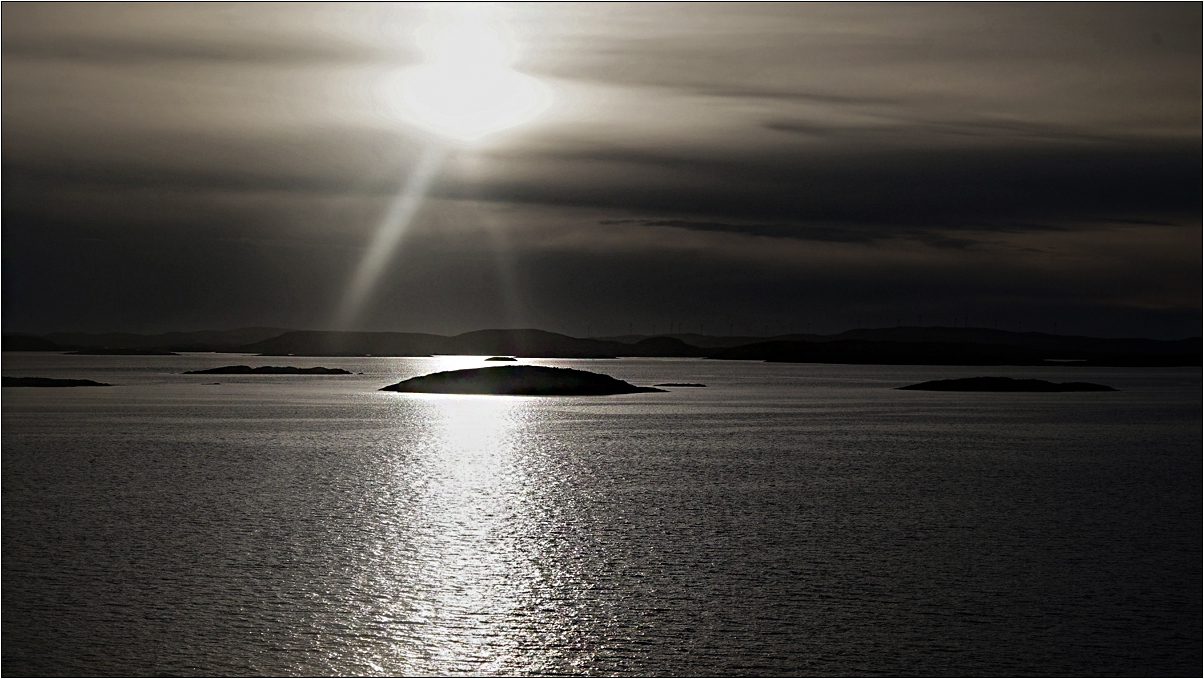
473, 572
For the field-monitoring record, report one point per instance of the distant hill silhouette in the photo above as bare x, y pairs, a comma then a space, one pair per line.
334, 343
48, 382
902, 345
1052, 345
952, 353
29, 343
662, 346
1049, 343
893, 353
204, 340
528, 343
713, 341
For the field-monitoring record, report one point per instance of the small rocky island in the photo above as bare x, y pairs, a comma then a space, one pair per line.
49, 382
518, 380
267, 370
1004, 384
501, 358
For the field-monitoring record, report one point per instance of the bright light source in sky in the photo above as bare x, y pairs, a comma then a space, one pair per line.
466, 89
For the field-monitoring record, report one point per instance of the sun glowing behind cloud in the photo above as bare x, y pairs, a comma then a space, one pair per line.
463, 91
466, 88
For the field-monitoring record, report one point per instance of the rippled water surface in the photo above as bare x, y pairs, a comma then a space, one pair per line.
784, 520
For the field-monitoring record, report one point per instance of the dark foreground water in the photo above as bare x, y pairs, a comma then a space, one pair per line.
785, 520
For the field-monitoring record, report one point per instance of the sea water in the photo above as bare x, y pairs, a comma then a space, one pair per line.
786, 519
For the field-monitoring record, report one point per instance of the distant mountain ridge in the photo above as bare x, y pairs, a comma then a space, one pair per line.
203, 340
891, 346
947, 353
336, 343
1034, 340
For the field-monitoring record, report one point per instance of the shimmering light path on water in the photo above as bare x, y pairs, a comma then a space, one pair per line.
785, 520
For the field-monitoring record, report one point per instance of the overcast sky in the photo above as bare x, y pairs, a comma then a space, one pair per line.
748, 167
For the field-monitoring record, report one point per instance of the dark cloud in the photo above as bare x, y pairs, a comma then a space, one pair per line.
1151, 222
750, 92
950, 188
840, 233
322, 160
921, 131
995, 189
804, 232
95, 49
123, 36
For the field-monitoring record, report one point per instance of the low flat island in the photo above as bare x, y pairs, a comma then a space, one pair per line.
49, 382
267, 370
518, 380
1004, 384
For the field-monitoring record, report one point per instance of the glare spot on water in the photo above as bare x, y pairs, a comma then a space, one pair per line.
477, 430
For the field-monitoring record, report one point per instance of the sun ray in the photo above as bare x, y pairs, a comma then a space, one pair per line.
389, 233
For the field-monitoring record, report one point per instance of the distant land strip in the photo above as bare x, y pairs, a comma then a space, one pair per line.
1009, 384
882, 346
122, 351
48, 382
267, 370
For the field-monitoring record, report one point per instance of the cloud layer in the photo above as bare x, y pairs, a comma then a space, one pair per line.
183, 166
